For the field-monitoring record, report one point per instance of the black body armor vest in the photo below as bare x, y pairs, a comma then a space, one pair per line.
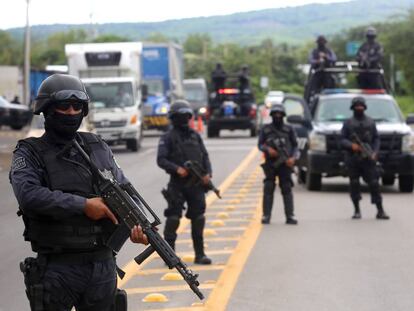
186, 149
273, 133
77, 233
362, 128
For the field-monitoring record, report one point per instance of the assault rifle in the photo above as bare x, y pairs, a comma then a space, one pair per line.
366, 150
129, 207
282, 152
197, 172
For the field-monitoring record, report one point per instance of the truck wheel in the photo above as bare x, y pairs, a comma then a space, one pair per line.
212, 132
406, 183
253, 132
388, 180
302, 176
133, 144
313, 181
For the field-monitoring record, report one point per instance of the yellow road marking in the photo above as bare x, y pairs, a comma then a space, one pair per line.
241, 228
192, 268
171, 288
132, 268
220, 295
222, 239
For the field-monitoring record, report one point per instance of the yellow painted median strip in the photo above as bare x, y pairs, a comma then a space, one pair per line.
220, 295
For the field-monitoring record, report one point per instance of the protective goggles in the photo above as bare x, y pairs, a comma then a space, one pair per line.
66, 95
185, 110
66, 105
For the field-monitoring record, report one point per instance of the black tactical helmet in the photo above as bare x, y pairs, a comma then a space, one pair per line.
60, 88
277, 108
180, 106
371, 32
358, 101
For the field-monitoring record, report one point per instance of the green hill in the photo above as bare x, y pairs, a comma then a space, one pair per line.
290, 25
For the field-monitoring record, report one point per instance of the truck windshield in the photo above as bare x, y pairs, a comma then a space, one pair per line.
337, 109
110, 95
195, 94
155, 87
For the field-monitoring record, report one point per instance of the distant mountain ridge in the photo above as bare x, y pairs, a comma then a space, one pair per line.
290, 25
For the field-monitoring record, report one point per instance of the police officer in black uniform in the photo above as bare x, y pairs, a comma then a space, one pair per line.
320, 58
66, 221
361, 129
218, 77
369, 56
244, 80
178, 145
284, 135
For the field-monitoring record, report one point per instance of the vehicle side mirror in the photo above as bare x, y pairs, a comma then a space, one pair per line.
410, 119
144, 92
297, 119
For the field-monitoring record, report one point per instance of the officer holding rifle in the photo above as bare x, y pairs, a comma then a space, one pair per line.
277, 141
179, 151
361, 141
66, 221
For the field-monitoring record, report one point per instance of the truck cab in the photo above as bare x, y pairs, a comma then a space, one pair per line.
111, 73
196, 93
163, 72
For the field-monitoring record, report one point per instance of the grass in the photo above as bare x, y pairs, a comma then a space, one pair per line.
406, 104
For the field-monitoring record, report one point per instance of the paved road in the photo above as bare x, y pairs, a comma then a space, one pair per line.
328, 262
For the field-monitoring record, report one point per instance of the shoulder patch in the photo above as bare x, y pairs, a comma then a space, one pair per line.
18, 164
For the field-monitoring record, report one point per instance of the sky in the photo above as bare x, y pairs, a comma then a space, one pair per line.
13, 12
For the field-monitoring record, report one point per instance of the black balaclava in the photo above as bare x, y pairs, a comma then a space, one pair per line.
277, 119
359, 114
63, 125
180, 121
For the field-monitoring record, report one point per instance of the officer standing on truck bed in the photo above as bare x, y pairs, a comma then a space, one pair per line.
278, 142
369, 56
218, 77
361, 141
65, 220
179, 145
320, 58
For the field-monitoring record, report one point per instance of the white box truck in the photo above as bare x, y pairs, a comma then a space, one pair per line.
112, 76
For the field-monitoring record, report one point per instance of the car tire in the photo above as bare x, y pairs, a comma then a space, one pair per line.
406, 183
132, 144
388, 180
314, 182
16, 127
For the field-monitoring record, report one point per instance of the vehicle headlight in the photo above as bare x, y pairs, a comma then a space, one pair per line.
161, 109
408, 143
202, 110
317, 142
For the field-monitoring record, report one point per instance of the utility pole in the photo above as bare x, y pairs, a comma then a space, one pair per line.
392, 72
26, 72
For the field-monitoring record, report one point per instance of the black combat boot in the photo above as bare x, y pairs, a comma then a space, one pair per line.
357, 211
267, 208
170, 230
197, 227
381, 213
288, 203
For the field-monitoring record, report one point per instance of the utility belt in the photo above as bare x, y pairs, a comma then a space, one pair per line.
34, 270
